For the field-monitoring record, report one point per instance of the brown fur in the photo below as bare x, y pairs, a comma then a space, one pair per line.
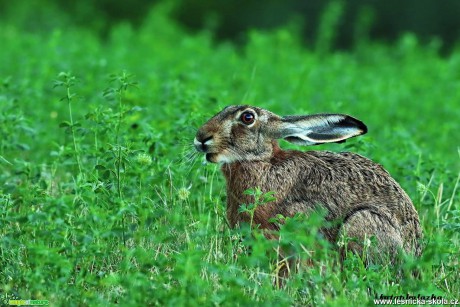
353, 189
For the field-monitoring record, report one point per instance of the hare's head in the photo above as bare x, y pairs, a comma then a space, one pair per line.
246, 133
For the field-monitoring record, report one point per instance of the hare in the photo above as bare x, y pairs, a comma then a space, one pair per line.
351, 188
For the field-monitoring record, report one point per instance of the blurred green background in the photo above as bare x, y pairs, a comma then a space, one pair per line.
103, 199
359, 19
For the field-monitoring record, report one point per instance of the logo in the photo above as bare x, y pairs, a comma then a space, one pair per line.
10, 299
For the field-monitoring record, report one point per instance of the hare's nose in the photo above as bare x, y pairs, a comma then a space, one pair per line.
202, 144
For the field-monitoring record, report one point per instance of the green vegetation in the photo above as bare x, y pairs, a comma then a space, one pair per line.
103, 201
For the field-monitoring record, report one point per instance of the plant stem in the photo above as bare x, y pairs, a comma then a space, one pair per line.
69, 102
119, 158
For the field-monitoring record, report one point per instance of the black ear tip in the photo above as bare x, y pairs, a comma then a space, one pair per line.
353, 122
362, 127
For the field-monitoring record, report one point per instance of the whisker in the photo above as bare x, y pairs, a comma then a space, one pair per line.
187, 156
188, 159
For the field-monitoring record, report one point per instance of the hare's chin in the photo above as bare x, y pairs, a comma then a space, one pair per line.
212, 157
218, 158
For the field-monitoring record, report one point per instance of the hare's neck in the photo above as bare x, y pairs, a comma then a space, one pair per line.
250, 172
278, 153
241, 176
247, 171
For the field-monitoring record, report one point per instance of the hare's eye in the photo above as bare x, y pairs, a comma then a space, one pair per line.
247, 118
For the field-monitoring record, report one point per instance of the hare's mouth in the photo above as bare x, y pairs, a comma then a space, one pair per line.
214, 154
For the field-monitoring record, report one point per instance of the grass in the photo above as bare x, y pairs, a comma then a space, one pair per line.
102, 201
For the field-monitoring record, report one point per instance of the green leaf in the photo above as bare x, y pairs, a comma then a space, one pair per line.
100, 167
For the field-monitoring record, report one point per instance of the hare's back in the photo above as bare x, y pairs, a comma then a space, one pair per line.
346, 159
350, 180
352, 166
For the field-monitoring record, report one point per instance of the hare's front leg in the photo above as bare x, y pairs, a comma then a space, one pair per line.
359, 229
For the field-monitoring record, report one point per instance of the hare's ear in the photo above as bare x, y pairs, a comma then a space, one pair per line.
318, 129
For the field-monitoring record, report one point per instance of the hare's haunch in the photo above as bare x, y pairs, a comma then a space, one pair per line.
352, 189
